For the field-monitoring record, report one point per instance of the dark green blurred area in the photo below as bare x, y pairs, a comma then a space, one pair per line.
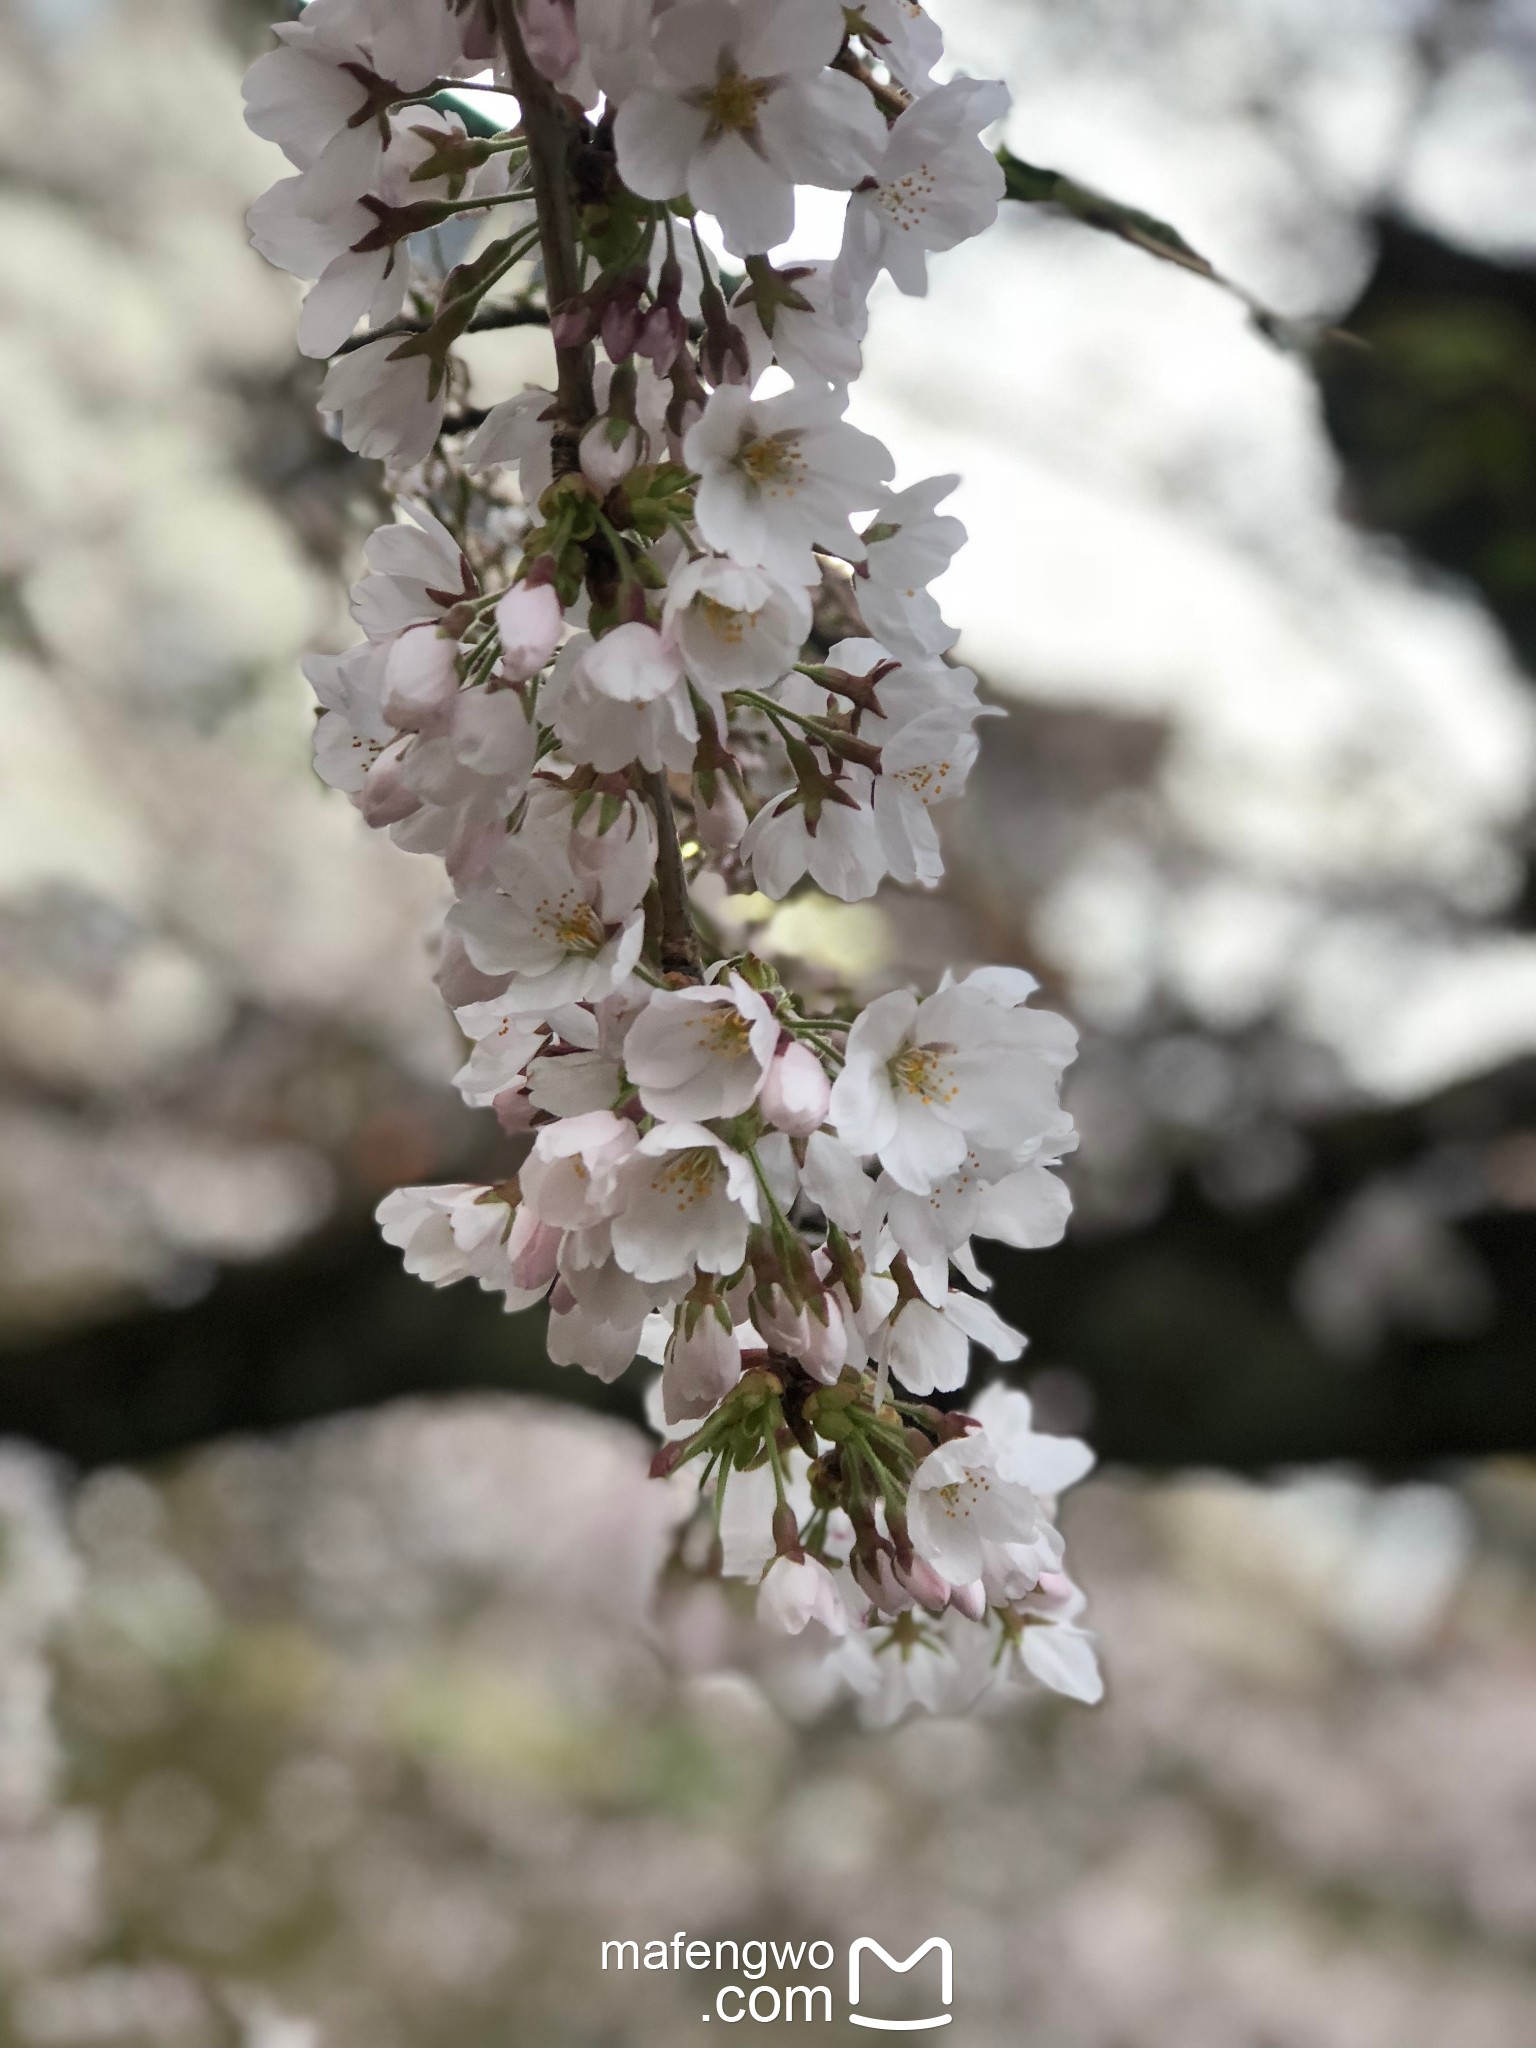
1435, 418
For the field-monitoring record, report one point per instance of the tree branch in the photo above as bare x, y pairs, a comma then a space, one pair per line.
488, 322
679, 939
1035, 185
890, 99
548, 130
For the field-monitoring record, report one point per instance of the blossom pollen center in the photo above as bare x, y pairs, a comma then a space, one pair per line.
724, 1031
688, 1176
573, 924
725, 622
774, 464
732, 102
921, 1070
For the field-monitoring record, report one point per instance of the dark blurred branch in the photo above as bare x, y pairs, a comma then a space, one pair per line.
1037, 186
1183, 1332
488, 322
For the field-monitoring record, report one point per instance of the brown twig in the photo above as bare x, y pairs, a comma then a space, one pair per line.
890, 99
679, 940
549, 133
488, 322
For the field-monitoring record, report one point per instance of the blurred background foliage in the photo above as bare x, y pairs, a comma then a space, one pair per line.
324, 1713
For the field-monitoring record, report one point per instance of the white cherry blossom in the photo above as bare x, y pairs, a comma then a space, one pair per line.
696, 1053
909, 544
689, 1200
910, 43
574, 1176
836, 843
701, 1364
797, 1592
390, 406
923, 1080
820, 342
504, 1043
926, 1344
623, 698
967, 1519
538, 920
591, 683
352, 732
937, 184
735, 628
416, 571
1046, 1464
742, 110
779, 476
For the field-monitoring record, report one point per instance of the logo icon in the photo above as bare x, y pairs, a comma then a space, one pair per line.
946, 1982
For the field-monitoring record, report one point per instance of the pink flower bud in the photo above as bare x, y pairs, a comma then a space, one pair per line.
878, 1582
925, 1585
781, 1325
1053, 1590
971, 1601
514, 1110
530, 622
421, 680
663, 336
549, 33
722, 822
702, 1366
621, 318
603, 463
532, 1249
573, 324
796, 1093
384, 798
826, 1343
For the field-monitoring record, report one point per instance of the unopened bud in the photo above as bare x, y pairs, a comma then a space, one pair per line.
421, 680
606, 461
786, 1532
971, 1601
796, 1092
385, 798
826, 1346
530, 621
514, 1110
918, 1579
549, 35
876, 1578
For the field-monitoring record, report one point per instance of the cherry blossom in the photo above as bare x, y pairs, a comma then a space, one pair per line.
779, 476
600, 680
909, 544
695, 1053
924, 1078
742, 110
967, 1519
797, 1592
689, 1199
538, 919
936, 186
734, 627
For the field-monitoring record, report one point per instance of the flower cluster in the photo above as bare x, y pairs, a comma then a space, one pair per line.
660, 633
